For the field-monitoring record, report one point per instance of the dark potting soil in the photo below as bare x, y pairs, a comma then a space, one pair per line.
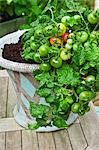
13, 52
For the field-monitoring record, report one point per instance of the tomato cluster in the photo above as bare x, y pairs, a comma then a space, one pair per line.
60, 39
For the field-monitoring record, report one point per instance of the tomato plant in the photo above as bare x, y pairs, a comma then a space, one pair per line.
65, 45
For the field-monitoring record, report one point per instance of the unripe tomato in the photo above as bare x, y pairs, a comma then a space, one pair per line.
92, 19
65, 20
70, 41
43, 50
45, 67
77, 18
68, 46
75, 47
75, 107
82, 36
38, 33
56, 62
37, 57
90, 79
65, 55
61, 29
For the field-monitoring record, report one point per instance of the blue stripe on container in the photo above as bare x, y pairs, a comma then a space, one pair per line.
27, 86
25, 101
97, 109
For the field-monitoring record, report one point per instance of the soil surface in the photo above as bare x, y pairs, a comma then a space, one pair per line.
13, 52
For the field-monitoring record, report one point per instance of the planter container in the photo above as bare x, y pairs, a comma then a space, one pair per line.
25, 86
11, 26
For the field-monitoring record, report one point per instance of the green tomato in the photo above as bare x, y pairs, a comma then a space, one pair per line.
90, 79
86, 96
71, 35
82, 36
75, 47
37, 57
93, 35
65, 20
65, 55
91, 18
68, 46
61, 29
77, 18
43, 50
45, 67
76, 107
38, 33
56, 62
33, 46
70, 41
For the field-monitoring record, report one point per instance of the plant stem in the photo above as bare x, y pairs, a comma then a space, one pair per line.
84, 22
75, 94
96, 26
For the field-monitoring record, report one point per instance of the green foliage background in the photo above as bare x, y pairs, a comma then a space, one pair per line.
31, 8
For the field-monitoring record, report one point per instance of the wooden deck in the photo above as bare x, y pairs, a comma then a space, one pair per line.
82, 135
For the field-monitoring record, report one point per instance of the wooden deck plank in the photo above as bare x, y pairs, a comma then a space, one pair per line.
46, 141
9, 124
29, 140
76, 137
13, 140
12, 98
2, 141
3, 99
90, 125
62, 141
3, 96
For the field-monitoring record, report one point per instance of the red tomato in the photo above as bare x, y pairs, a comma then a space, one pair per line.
65, 37
55, 41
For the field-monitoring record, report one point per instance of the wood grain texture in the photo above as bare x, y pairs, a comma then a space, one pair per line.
76, 137
9, 124
92, 148
13, 140
46, 141
2, 141
29, 140
3, 96
90, 125
12, 99
62, 141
